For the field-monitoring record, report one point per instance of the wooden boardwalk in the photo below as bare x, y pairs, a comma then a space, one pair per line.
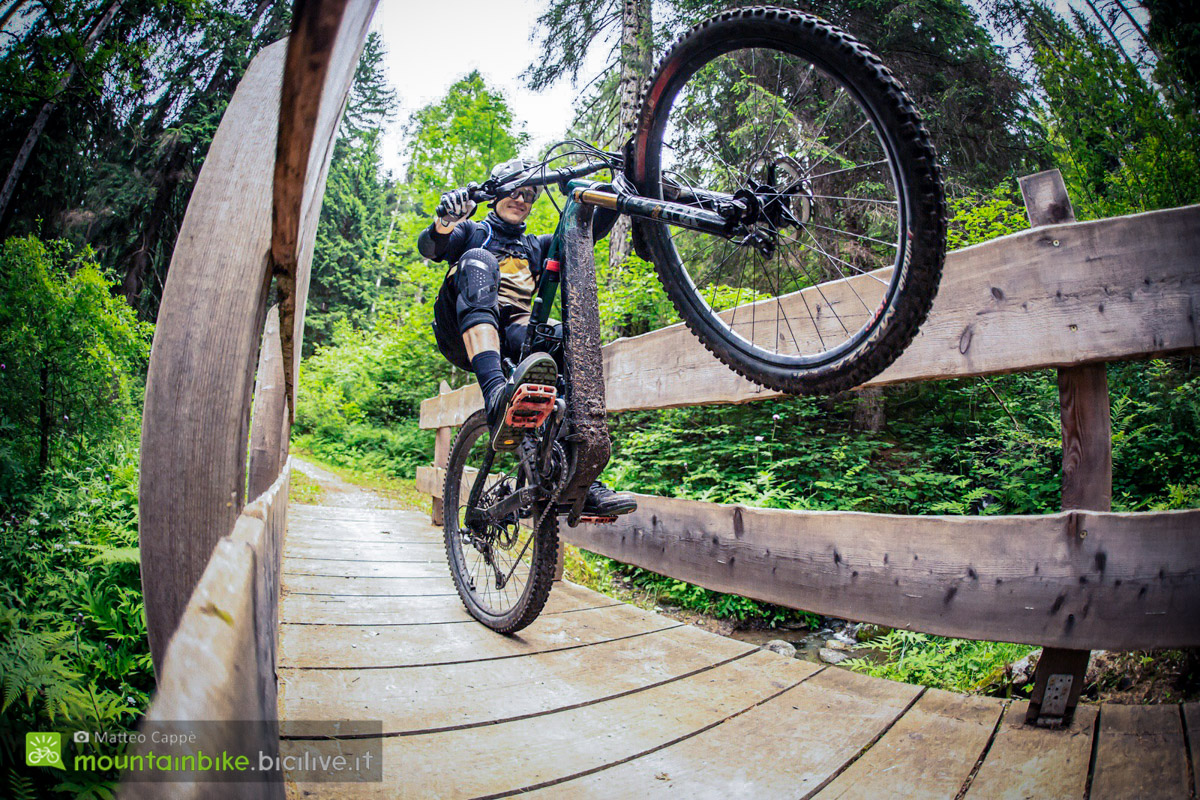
602, 699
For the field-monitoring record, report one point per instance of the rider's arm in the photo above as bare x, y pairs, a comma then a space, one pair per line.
437, 245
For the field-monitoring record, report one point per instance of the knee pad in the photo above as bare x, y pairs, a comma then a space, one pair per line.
478, 278
477, 281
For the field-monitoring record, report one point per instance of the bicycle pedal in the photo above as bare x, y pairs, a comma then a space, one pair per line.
530, 406
598, 520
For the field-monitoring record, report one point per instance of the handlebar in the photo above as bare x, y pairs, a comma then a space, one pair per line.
541, 177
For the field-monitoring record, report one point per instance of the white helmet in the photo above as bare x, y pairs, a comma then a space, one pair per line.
512, 170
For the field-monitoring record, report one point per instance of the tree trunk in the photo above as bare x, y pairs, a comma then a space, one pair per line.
39, 123
636, 52
45, 423
168, 174
869, 412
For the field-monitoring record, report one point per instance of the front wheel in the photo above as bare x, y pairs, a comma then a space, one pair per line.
840, 234
501, 568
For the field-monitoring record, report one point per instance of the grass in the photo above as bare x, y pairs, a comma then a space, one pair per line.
305, 490
402, 490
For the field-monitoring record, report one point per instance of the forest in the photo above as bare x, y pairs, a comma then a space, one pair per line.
107, 113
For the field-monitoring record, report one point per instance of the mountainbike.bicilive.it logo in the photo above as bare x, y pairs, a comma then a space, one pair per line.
43, 750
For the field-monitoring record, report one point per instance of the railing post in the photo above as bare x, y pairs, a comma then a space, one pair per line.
1086, 468
441, 456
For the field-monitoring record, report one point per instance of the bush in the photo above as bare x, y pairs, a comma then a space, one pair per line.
69, 352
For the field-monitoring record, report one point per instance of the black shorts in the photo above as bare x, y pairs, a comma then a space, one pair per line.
514, 322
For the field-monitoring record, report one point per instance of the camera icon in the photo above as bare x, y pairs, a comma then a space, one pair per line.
82, 737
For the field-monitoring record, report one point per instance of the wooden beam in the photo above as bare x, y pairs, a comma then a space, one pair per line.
1111, 289
443, 439
1079, 579
323, 50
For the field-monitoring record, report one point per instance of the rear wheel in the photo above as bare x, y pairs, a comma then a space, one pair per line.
840, 243
501, 568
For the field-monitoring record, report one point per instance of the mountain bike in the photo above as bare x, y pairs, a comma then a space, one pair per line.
788, 195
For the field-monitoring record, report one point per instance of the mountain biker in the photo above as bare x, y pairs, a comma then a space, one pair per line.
483, 308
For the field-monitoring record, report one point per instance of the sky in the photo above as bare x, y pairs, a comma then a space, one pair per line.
432, 45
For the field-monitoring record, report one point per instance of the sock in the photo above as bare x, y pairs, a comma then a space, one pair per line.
486, 366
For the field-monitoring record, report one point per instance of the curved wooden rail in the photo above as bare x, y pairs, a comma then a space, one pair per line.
252, 214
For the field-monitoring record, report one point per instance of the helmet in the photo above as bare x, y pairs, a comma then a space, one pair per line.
514, 169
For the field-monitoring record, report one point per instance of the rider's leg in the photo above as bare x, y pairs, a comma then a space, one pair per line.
477, 280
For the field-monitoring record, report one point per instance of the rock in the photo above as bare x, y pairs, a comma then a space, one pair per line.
836, 644
867, 632
781, 647
1022, 671
832, 656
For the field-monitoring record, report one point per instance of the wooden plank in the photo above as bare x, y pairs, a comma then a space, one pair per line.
426, 568
365, 587
782, 748
1073, 579
510, 756
421, 610
1140, 753
442, 442
928, 753
366, 551
323, 50
210, 673
1191, 716
1088, 291
365, 646
267, 419
418, 699
430, 480
1025, 762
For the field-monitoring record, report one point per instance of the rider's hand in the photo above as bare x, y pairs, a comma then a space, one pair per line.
454, 207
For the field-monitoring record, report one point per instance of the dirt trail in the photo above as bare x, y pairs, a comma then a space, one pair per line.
339, 493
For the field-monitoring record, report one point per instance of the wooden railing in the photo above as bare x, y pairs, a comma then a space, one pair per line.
210, 567
1069, 295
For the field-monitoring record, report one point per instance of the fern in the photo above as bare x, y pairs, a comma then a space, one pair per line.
20, 787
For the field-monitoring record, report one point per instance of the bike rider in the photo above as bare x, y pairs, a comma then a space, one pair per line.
482, 310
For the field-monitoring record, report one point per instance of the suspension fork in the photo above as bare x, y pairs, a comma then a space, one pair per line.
722, 219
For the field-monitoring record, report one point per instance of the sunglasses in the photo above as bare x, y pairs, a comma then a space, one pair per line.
526, 193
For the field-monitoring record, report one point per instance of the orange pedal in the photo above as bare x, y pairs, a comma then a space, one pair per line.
530, 406
598, 520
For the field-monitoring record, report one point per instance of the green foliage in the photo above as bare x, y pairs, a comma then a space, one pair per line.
459, 139
632, 299
350, 269
360, 395
73, 647
989, 446
69, 352
958, 665
131, 118
976, 217
1119, 147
